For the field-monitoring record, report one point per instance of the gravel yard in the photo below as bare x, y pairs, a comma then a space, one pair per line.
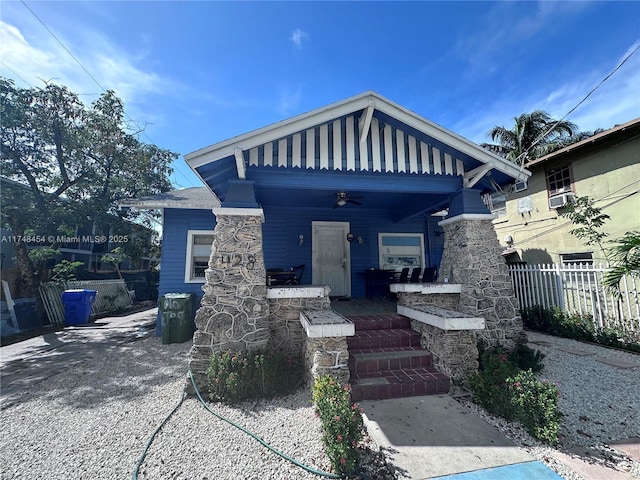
93, 420
600, 404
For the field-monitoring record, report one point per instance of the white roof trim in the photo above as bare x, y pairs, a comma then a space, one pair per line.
344, 107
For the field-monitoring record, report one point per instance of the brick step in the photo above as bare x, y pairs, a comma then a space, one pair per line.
384, 359
380, 322
408, 382
370, 339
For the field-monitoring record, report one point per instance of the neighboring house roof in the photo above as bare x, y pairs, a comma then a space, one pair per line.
619, 133
193, 197
365, 135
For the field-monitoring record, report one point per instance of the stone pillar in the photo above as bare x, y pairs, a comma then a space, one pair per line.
327, 356
234, 311
473, 258
454, 352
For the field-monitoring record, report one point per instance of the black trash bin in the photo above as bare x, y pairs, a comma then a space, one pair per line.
176, 317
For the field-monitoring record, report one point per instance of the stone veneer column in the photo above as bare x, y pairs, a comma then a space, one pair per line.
234, 311
327, 356
472, 257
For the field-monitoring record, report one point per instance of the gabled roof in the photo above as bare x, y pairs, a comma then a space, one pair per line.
368, 105
616, 134
365, 145
193, 198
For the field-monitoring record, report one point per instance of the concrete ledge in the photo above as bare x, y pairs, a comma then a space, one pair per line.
326, 323
425, 288
298, 291
441, 318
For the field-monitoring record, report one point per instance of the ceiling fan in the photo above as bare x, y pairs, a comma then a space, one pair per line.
342, 198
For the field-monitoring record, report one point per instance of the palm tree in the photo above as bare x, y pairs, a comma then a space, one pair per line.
626, 256
534, 134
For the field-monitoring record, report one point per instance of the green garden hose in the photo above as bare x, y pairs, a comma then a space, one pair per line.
240, 427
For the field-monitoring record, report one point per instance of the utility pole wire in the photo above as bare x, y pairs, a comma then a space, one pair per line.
87, 72
524, 154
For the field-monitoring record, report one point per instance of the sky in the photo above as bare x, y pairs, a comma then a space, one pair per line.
197, 73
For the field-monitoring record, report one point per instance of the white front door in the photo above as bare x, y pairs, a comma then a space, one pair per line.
331, 262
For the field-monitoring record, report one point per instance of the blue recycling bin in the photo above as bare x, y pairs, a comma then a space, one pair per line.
77, 306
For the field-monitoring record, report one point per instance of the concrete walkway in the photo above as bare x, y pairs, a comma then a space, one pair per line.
433, 437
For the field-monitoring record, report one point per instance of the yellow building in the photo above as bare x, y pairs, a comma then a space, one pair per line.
604, 167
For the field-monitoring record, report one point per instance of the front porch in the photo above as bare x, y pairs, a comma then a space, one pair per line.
347, 190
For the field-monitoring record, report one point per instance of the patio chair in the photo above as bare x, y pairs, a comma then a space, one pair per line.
429, 275
298, 270
415, 275
404, 275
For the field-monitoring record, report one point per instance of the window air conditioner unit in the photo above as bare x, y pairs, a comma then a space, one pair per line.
558, 201
520, 186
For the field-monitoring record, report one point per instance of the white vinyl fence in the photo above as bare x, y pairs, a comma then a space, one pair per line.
111, 295
577, 289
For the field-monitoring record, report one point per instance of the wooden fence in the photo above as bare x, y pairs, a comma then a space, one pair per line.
111, 295
578, 289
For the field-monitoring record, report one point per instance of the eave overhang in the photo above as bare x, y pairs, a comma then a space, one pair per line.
345, 146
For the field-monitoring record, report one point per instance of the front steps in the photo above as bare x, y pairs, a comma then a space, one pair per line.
386, 360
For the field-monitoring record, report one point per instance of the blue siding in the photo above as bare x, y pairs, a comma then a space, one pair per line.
283, 226
177, 222
281, 243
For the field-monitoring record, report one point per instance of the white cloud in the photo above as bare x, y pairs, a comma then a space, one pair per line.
36, 57
297, 37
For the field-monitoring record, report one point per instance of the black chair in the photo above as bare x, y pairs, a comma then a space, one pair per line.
415, 275
404, 275
429, 275
298, 270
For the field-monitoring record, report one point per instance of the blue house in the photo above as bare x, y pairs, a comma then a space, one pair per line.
357, 185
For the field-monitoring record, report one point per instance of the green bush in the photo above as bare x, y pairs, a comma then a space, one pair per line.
341, 423
504, 389
536, 404
578, 327
489, 384
526, 358
238, 376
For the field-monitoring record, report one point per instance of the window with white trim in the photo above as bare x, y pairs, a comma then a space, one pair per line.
198, 253
398, 250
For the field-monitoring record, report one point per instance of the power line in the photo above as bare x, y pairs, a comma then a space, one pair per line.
86, 71
524, 154
15, 73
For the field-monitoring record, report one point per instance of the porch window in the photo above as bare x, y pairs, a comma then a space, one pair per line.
399, 250
198, 252
559, 181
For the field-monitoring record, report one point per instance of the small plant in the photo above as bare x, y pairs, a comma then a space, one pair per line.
504, 389
536, 404
578, 327
341, 423
526, 358
489, 384
65, 270
234, 377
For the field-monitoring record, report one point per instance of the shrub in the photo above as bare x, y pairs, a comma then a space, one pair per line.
578, 327
489, 384
341, 423
504, 389
526, 358
536, 404
238, 376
